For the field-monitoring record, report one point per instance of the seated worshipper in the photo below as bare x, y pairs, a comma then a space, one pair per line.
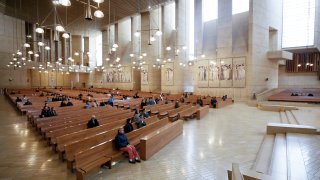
95, 103
177, 104
144, 113
110, 101
199, 101
102, 104
49, 99
214, 102
310, 94
93, 122
166, 101
80, 96
152, 101
138, 119
143, 103
27, 103
122, 144
18, 99
24, 97
182, 99
69, 103
52, 112
45, 112
157, 100
63, 104
136, 96
87, 105
128, 127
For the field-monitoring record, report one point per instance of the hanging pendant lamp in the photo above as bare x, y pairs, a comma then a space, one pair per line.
88, 12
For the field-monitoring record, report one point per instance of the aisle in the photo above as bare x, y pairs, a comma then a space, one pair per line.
24, 155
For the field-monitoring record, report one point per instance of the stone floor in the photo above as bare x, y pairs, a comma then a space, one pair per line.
204, 151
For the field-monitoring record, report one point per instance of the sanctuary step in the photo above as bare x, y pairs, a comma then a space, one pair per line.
274, 128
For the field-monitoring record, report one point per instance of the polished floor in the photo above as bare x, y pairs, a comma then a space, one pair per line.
204, 151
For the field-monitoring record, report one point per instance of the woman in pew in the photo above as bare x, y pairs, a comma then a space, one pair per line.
122, 144
93, 122
128, 127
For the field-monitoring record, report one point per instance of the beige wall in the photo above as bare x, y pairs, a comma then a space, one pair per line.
297, 80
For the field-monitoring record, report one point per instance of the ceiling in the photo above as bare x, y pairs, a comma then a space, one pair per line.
37, 10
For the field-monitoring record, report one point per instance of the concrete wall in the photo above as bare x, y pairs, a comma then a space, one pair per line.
297, 80
264, 14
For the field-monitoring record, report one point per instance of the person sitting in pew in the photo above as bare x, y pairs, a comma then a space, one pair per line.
310, 94
63, 104
102, 104
128, 127
18, 99
27, 103
95, 103
52, 112
93, 122
138, 119
123, 144
152, 101
144, 113
87, 105
110, 101
199, 101
80, 96
143, 103
45, 112
69, 103
177, 104
214, 102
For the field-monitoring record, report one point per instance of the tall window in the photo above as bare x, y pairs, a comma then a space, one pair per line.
298, 23
99, 49
209, 10
191, 30
240, 6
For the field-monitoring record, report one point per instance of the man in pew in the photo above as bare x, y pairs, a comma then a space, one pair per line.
111, 100
27, 103
69, 103
177, 104
143, 103
128, 127
199, 101
63, 104
93, 122
122, 144
52, 112
18, 99
214, 102
87, 105
138, 119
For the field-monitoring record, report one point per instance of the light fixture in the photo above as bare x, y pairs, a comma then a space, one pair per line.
203, 56
133, 62
88, 12
65, 2
118, 59
131, 55
19, 53
113, 49
29, 36
168, 48
29, 60
23, 58
144, 54
98, 13
59, 28
36, 55
311, 64
115, 45
137, 34
107, 59
152, 38
39, 30
55, 2
30, 52
76, 53
169, 60
26, 45
158, 33
308, 64
65, 35
184, 47
40, 43
98, 1
47, 48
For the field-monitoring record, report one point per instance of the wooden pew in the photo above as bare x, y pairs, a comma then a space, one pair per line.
153, 142
73, 148
188, 113
202, 111
106, 152
174, 113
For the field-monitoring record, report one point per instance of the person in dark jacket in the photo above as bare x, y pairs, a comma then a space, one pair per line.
52, 112
18, 99
128, 127
214, 102
199, 101
27, 103
63, 104
177, 104
69, 103
93, 122
122, 144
